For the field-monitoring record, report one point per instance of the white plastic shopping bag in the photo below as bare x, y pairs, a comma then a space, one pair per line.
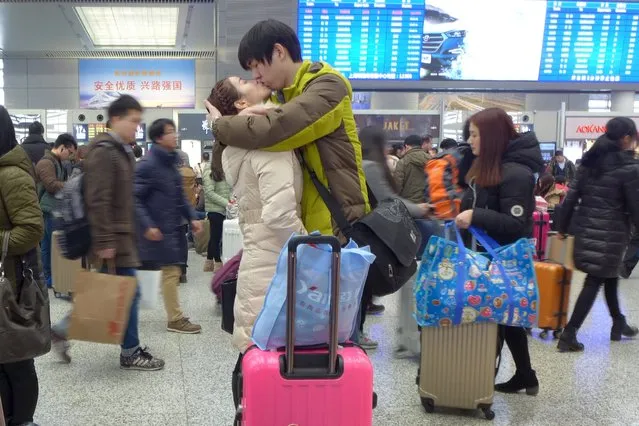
149, 282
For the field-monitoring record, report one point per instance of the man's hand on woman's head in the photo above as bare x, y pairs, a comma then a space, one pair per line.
213, 113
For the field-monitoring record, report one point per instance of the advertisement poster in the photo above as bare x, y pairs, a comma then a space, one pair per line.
588, 127
399, 127
195, 127
155, 83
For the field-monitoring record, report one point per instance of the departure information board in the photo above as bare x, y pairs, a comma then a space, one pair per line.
488, 40
591, 41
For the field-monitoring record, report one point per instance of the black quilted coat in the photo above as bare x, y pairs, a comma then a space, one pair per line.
599, 210
505, 211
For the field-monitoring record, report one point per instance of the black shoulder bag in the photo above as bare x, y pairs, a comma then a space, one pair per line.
390, 232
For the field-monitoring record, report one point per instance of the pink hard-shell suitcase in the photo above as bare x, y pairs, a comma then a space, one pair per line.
301, 386
541, 228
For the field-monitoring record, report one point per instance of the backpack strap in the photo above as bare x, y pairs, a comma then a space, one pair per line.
331, 202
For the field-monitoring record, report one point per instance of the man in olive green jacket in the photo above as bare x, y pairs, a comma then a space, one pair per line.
51, 175
315, 115
409, 171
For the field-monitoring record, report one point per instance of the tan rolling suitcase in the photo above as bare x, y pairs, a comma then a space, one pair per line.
457, 367
63, 270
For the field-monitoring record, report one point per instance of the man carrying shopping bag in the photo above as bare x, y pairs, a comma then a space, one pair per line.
109, 205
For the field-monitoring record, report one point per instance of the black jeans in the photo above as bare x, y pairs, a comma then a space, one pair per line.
19, 391
184, 248
216, 221
517, 341
587, 298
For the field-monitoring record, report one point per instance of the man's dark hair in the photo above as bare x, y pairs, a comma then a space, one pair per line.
66, 140
447, 144
36, 128
158, 128
122, 106
258, 43
413, 140
558, 153
427, 139
206, 156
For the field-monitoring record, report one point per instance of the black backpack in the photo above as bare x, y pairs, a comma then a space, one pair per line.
390, 232
71, 216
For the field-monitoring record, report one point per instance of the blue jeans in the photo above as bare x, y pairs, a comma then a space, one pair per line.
427, 228
45, 248
131, 339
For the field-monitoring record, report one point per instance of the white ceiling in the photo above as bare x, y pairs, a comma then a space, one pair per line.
36, 29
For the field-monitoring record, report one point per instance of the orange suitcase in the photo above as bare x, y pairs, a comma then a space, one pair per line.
553, 280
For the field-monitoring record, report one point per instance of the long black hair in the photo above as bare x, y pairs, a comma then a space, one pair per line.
7, 132
374, 142
217, 174
611, 141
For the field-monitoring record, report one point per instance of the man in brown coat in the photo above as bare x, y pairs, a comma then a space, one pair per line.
108, 197
50, 176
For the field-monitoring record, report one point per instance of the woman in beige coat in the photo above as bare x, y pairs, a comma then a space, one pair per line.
268, 186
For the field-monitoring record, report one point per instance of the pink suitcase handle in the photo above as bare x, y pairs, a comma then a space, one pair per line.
291, 293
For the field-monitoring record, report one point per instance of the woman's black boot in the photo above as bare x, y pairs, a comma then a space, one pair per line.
621, 328
520, 381
568, 341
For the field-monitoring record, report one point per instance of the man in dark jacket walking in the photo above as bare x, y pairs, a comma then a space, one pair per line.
409, 172
34, 144
561, 167
50, 176
108, 198
160, 206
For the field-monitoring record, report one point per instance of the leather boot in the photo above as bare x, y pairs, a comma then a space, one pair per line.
520, 381
568, 341
621, 328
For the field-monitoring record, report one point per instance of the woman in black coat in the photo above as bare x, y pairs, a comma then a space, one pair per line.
606, 192
500, 201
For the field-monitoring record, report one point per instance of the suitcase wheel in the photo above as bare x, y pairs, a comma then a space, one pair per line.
556, 334
429, 405
490, 414
487, 410
543, 334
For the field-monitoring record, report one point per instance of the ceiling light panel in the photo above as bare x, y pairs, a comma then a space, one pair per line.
130, 26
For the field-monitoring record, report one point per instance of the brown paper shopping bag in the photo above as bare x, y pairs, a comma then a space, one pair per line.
561, 250
101, 305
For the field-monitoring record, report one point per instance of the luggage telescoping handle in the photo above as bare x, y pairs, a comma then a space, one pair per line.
293, 244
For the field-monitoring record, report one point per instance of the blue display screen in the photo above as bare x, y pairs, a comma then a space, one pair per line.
490, 40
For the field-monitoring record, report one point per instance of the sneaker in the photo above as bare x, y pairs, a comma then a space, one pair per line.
61, 347
374, 309
141, 360
366, 342
183, 326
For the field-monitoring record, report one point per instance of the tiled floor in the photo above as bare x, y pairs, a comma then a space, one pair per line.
596, 387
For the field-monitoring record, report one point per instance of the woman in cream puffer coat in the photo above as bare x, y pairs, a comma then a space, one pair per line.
268, 186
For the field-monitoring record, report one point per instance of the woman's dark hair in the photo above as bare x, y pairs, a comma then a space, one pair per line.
396, 149
217, 174
544, 185
7, 132
611, 141
373, 141
496, 130
223, 97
